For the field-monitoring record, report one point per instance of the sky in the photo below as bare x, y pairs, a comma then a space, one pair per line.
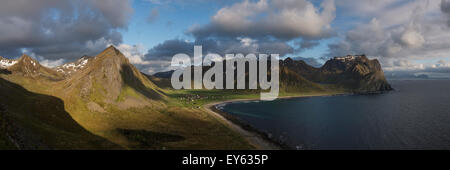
406, 36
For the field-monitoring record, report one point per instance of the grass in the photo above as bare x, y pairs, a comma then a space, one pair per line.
5, 143
198, 98
38, 121
90, 110
127, 91
198, 129
178, 122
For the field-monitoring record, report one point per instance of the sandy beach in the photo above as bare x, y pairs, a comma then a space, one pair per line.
254, 138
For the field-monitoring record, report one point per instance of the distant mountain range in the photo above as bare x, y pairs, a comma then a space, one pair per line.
104, 102
407, 76
355, 74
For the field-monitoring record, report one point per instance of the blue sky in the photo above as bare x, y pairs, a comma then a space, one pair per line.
172, 22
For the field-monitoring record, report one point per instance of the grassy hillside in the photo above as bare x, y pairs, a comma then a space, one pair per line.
36, 121
5, 142
107, 105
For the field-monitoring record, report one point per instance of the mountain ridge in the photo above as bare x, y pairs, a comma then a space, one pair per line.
354, 74
112, 68
29, 67
107, 83
120, 107
67, 69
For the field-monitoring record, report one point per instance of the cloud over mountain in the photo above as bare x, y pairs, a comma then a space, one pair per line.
262, 26
61, 28
419, 31
394, 31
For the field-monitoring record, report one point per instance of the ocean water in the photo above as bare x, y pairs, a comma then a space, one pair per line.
414, 116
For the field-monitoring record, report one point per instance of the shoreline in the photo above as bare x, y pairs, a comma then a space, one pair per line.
260, 140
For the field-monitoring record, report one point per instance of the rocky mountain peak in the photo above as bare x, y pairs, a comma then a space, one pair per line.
111, 51
288, 60
109, 77
355, 72
26, 60
298, 66
69, 69
29, 67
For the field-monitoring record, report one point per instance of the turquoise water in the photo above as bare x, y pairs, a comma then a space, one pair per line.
414, 116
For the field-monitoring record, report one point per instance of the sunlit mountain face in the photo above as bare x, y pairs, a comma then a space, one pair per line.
99, 74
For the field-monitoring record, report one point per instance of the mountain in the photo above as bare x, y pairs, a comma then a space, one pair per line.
290, 81
407, 75
104, 103
299, 66
109, 78
356, 74
5, 63
71, 68
29, 67
29, 120
165, 74
43, 108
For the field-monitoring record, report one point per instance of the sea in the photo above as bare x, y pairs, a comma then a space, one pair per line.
416, 115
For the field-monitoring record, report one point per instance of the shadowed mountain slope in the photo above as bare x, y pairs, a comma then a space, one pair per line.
35, 121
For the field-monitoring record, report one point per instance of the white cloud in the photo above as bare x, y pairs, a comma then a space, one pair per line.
363, 7
61, 28
412, 39
402, 65
441, 64
236, 17
51, 63
405, 35
412, 66
135, 53
248, 42
282, 19
406, 29
158, 66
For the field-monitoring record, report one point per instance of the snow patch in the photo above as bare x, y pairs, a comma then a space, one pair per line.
72, 67
5, 63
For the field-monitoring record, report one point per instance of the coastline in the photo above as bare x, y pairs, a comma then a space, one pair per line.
255, 137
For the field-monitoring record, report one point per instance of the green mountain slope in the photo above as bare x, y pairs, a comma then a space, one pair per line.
106, 103
111, 100
36, 121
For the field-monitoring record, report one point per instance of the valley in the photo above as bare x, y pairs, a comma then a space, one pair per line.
104, 102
